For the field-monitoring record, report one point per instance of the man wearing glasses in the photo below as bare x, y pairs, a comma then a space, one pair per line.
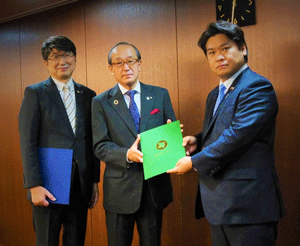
56, 113
118, 116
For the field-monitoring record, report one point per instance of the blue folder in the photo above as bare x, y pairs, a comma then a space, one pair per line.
56, 168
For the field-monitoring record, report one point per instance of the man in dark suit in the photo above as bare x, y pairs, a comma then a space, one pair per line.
49, 119
117, 118
234, 153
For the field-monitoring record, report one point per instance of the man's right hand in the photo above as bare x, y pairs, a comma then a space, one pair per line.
39, 195
190, 144
133, 154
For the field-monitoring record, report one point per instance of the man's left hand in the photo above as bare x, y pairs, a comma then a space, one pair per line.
183, 166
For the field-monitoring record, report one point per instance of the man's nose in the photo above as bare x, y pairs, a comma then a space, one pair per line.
125, 66
220, 57
62, 59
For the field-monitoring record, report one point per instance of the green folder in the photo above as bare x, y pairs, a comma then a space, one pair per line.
161, 148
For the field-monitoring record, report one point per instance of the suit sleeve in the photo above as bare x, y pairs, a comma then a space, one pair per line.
199, 143
95, 160
104, 147
255, 112
29, 124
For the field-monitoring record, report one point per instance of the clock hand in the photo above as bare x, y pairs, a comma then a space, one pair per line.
233, 7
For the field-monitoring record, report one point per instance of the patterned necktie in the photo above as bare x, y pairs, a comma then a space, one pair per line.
70, 107
220, 97
134, 110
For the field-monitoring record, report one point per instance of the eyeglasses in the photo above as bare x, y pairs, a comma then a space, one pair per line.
67, 56
129, 62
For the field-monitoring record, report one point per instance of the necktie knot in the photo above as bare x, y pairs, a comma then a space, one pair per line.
66, 88
131, 94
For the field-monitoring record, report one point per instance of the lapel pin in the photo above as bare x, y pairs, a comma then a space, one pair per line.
79, 91
116, 102
231, 89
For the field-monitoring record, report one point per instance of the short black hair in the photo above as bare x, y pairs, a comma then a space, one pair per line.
138, 54
59, 43
232, 31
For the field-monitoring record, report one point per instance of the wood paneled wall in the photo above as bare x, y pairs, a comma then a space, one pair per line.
166, 33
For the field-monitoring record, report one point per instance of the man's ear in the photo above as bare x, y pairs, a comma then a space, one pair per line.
46, 63
110, 69
243, 48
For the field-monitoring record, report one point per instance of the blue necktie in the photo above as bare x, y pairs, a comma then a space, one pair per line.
221, 95
133, 109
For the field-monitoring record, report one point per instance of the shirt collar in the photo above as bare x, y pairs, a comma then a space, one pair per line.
136, 88
60, 84
229, 81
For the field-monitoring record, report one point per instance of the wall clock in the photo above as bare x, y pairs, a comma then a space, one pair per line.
240, 12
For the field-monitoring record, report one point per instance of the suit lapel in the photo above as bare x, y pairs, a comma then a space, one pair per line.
147, 100
117, 102
210, 108
80, 96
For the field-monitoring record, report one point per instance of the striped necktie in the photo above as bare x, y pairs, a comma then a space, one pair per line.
70, 107
134, 110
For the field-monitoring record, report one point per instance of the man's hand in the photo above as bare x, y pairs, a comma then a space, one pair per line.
95, 196
133, 154
181, 125
39, 195
183, 166
190, 144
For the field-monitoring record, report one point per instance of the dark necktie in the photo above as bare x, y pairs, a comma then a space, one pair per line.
134, 110
220, 97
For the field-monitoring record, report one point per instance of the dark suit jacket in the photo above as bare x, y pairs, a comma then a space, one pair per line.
43, 122
114, 133
238, 181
